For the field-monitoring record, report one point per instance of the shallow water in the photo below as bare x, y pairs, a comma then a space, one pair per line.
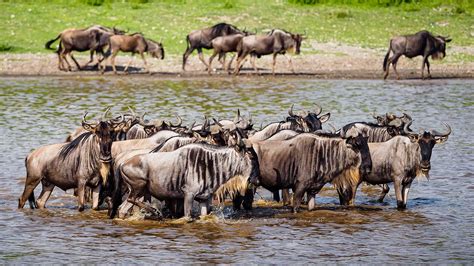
436, 227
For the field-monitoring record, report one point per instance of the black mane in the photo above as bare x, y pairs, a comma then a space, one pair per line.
73, 145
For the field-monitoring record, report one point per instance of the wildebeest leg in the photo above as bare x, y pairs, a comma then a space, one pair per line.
95, 197
30, 185
274, 63
186, 55
209, 69
298, 196
188, 204
290, 62
91, 59
75, 61
228, 66
175, 207
239, 63
385, 190
204, 207
394, 64
144, 61
276, 195
201, 57
253, 58
124, 209
64, 59
398, 193
129, 62
311, 201
81, 188
45, 194
112, 61
425, 62
405, 190
285, 196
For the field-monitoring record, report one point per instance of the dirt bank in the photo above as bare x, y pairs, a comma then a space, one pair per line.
332, 61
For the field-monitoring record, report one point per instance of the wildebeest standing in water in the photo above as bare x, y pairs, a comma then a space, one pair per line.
83, 162
92, 39
192, 172
306, 162
422, 43
199, 39
276, 42
133, 43
398, 160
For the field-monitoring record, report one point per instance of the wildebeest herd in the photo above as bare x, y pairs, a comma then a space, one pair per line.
225, 38
126, 160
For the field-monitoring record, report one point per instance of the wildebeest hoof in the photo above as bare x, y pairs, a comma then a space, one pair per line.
80, 208
401, 205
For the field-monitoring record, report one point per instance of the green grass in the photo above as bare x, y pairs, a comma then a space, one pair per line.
27, 25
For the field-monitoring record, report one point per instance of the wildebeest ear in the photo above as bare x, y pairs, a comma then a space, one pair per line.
148, 130
88, 127
440, 140
324, 118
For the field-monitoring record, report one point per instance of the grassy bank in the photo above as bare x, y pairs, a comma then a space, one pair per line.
27, 25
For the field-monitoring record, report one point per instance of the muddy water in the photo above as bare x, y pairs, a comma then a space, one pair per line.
436, 227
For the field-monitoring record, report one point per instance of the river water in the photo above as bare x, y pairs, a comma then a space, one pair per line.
436, 227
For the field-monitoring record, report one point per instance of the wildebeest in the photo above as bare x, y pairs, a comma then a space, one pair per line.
398, 160
421, 43
92, 39
277, 42
77, 164
306, 162
146, 128
222, 45
133, 43
199, 39
192, 172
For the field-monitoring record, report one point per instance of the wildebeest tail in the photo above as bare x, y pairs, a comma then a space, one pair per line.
385, 60
48, 44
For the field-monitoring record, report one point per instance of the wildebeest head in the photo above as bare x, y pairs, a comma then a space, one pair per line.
151, 127
427, 141
155, 49
357, 140
440, 47
309, 121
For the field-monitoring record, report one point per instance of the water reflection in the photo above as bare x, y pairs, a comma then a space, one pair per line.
436, 227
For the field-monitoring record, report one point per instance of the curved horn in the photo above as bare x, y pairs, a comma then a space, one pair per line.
142, 122
408, 131
180, 121
374, 115
88, 124
250, 118
237, 117
442, 135
217, 122
290, 111
105, 113
318, 109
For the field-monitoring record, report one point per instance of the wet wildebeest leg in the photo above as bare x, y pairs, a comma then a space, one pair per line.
201, 57
285, 196
176, 207
398, 192
276, 196
75, 61
30, 185
406, 189
385, 190
95, 197
311, 201
188, 204
45, 194
124, 208
204, 206
81, 189
298, 196
144, 60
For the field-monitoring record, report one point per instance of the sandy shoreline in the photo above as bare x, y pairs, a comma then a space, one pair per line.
337, 62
